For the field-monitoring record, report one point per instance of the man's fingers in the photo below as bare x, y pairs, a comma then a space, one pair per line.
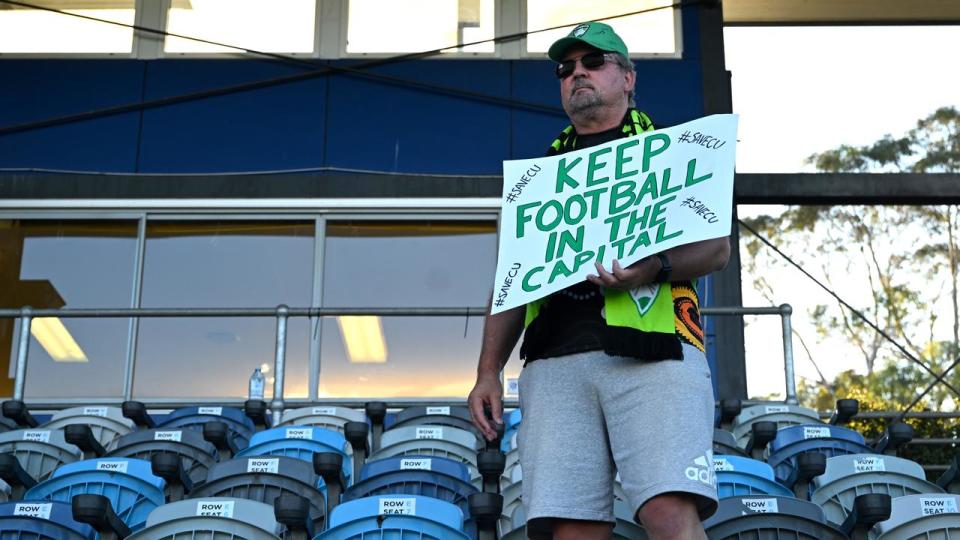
606, 278
496, 411
479, 419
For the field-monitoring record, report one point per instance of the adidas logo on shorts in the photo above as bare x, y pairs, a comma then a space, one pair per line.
702, 470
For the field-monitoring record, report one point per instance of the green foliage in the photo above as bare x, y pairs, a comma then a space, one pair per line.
905, 259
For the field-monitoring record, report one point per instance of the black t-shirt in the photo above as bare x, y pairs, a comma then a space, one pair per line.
571, 320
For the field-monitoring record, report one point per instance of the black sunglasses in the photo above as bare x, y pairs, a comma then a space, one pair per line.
591, 61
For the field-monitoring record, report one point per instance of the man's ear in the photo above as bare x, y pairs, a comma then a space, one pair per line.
630, 80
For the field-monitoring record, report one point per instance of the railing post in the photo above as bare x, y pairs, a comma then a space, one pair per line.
791, 384
279, 363
23, 347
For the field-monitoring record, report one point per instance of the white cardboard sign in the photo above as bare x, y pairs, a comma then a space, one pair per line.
624, 200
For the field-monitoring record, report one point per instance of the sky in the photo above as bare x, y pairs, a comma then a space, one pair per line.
801, 90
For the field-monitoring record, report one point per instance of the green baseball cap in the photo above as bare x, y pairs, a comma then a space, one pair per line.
598, 35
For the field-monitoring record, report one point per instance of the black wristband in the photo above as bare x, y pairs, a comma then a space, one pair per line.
663, 275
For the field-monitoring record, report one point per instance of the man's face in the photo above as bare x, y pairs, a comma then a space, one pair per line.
587, 91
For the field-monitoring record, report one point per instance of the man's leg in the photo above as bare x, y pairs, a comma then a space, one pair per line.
569, 529
671, 516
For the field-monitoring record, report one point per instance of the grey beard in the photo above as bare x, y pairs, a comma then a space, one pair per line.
586, 105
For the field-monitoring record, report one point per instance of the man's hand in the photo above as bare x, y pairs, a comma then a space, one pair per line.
487, 391
631, 277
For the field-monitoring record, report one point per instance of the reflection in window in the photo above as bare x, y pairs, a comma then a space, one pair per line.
24, 30
78, 264
404, 264
222, 264
262, 25
652, 32
393, 26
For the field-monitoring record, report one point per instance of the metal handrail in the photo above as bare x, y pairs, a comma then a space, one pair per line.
283, 313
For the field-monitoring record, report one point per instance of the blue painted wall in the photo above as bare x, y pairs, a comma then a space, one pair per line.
336, 121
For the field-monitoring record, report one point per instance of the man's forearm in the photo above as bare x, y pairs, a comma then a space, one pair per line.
500, 335
697, 259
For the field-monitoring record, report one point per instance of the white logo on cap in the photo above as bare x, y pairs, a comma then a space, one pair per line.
580, 30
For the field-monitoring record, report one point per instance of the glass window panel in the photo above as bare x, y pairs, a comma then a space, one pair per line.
24, 30
396, 26
271, 26
78, 264
650, 33
404, 264
222, 264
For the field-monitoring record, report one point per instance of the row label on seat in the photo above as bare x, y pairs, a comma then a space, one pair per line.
271, 466
420, 464
299, 433
95, 411
869, 464
722, 464
429, 433
214, 411
37, 435
215, 508
810, 432
112, 466
406, 507
327, 411
938, 505
760, 506
438, 410
174, 436
41, 511
770, 409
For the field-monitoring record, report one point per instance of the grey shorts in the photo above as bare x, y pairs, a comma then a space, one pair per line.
588, 416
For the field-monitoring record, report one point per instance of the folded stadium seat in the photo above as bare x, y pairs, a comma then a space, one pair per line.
724, 443
435, 477
129, 484
769, 517
264, 479
434, 441
300, 442
240, 426
783, 415
823, 439
196, 454
738, 476
332, 418
213, 518
516, 528
511, 422
848, 476
925, 516
42, 520
107, 423
400, 516
452, 416
7, 424
39, 451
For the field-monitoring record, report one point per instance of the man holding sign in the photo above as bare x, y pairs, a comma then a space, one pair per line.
600, 251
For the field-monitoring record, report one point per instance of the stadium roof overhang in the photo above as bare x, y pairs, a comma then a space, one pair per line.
840, 12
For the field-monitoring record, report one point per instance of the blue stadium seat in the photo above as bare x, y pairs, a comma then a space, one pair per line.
263, 479
849, 476
129, 484
436, 441
300, 442
738, 476
196, 454
212, 518
783, 415
926, 516
400, 516
435, 477
511, 425
452, 416
821, 438
241, 427
41, 520
106, 423
39, 451
769, 517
